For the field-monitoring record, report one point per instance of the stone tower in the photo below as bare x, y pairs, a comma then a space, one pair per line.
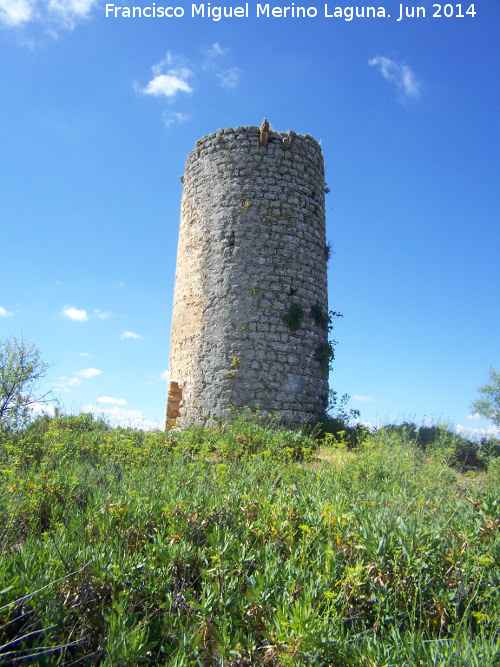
249, 324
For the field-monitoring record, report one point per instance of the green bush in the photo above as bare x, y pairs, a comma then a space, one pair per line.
293, 318
236, 545
439, 440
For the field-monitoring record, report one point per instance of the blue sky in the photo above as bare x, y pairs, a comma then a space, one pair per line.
99, 114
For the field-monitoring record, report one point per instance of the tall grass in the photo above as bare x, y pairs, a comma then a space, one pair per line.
246, 544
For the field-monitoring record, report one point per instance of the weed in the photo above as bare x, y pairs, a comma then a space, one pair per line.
325, 354
236, 545
320, 317
293, 318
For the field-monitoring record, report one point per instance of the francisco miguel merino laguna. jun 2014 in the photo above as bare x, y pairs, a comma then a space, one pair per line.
266, 11
205, 10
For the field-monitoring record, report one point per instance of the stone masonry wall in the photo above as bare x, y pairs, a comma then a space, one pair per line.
252, 251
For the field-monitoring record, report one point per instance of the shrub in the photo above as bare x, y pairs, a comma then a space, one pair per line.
293, 319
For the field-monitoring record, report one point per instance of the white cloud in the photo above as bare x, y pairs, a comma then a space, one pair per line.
174, 74
65, 13
229, 78
476, 417
120, 417
215, 50
42, 409
399, 74
167, 80
100, 315
366, 424
168, 60
82, 316
211, 54
363, 399
75, 314
14, 13
89, 373
164, 376
72, 7
171, 117
477, 433
65, 383
168, 84
130, 334
69, 12
3, 312
83, 354
111, 401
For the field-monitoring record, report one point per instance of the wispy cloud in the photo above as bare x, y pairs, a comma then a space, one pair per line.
70, 12
477, 433
399, 74
111, 401
42, 409
120, 417
175, 75
171, 117
89, 373
215, 50
75, 314
83, 354
3, 312
64, 384
56, 13
102, 315
130, 334
78, 315
363, 399
229, 78
211, 53
15, 13
164, 376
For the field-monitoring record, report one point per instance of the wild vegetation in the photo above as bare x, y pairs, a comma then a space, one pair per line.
248, 544
21, 370
488, 405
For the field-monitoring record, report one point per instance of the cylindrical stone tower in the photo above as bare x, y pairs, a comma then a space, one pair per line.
250, 316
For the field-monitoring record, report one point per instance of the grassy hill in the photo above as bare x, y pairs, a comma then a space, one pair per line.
248, 544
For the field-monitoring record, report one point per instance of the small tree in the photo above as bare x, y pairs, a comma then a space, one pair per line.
489, 405
21, 370
337, 408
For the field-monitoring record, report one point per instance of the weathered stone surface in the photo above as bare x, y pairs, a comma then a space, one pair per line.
251, 244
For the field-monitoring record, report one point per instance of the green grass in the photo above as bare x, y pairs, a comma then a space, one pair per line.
247, 544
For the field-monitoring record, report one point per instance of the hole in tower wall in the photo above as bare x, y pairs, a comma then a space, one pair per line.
174, 398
